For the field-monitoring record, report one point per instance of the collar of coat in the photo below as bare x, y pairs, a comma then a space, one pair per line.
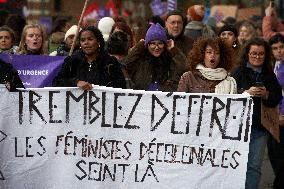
195, 25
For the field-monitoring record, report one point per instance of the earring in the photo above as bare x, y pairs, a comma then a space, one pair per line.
234, 44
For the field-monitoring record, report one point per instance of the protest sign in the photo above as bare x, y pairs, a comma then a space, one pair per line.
35, 71
245, 13
220, 12
115, 138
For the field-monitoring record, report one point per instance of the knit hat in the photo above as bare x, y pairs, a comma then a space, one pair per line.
196, 12
175, 12
228, 27
155, 32
105, 26
71, 31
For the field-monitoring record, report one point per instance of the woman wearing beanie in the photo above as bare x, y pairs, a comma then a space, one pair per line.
90, 65
229, 34
210, 61
154, 64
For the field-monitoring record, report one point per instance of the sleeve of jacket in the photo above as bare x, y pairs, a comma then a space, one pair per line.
66, 77
183, 83
267, 27
180, 63
180, 60
15, 81
237, 75
130, 60
275, 92
280, 76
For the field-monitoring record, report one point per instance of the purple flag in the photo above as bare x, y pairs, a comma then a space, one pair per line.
35, 71
158, 8
172, 5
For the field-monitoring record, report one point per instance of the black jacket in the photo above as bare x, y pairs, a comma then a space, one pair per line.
9, 75
246, 78
105, 71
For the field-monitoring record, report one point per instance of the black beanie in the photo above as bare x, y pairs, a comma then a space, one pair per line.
176, 12
228, 27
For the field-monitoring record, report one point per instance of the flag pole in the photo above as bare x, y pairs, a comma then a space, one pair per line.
78, 28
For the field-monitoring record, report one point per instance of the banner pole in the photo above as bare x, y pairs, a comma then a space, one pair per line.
78, 28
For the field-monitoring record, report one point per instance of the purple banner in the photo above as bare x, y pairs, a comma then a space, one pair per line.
35, 71
158, 8
172, 5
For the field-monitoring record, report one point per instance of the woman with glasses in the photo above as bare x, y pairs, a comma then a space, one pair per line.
155, 64
210, 60
255, 77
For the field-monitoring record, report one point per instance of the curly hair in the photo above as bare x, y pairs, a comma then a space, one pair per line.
197, 53
97, 33
244, 56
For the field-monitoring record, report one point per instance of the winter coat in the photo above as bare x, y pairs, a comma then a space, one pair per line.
9, 75
246, 78
196, 29
144, 69
279, 71
194, 82
104, 71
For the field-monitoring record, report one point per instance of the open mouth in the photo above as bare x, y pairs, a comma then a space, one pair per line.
212, 61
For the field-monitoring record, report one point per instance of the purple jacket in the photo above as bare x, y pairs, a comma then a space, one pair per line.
280, 78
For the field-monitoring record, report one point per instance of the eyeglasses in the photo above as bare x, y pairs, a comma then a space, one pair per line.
175, 22
153, 45
257, 55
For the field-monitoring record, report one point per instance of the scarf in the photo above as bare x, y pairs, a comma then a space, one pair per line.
228, 84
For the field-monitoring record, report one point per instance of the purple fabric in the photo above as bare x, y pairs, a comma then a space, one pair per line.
154, 86
158, 7
280, 78
35, 71
155, 32
172, 5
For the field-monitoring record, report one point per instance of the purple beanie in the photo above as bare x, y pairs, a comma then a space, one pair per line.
155, 32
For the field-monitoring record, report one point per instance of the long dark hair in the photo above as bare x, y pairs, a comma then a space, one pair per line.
244, 58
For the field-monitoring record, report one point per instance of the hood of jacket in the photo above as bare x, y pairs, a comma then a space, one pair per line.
195, 25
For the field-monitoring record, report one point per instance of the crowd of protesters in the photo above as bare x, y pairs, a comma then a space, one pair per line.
177, 53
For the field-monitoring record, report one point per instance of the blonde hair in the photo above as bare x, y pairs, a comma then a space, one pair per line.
23, 47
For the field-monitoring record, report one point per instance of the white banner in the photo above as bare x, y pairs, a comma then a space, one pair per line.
114, 138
